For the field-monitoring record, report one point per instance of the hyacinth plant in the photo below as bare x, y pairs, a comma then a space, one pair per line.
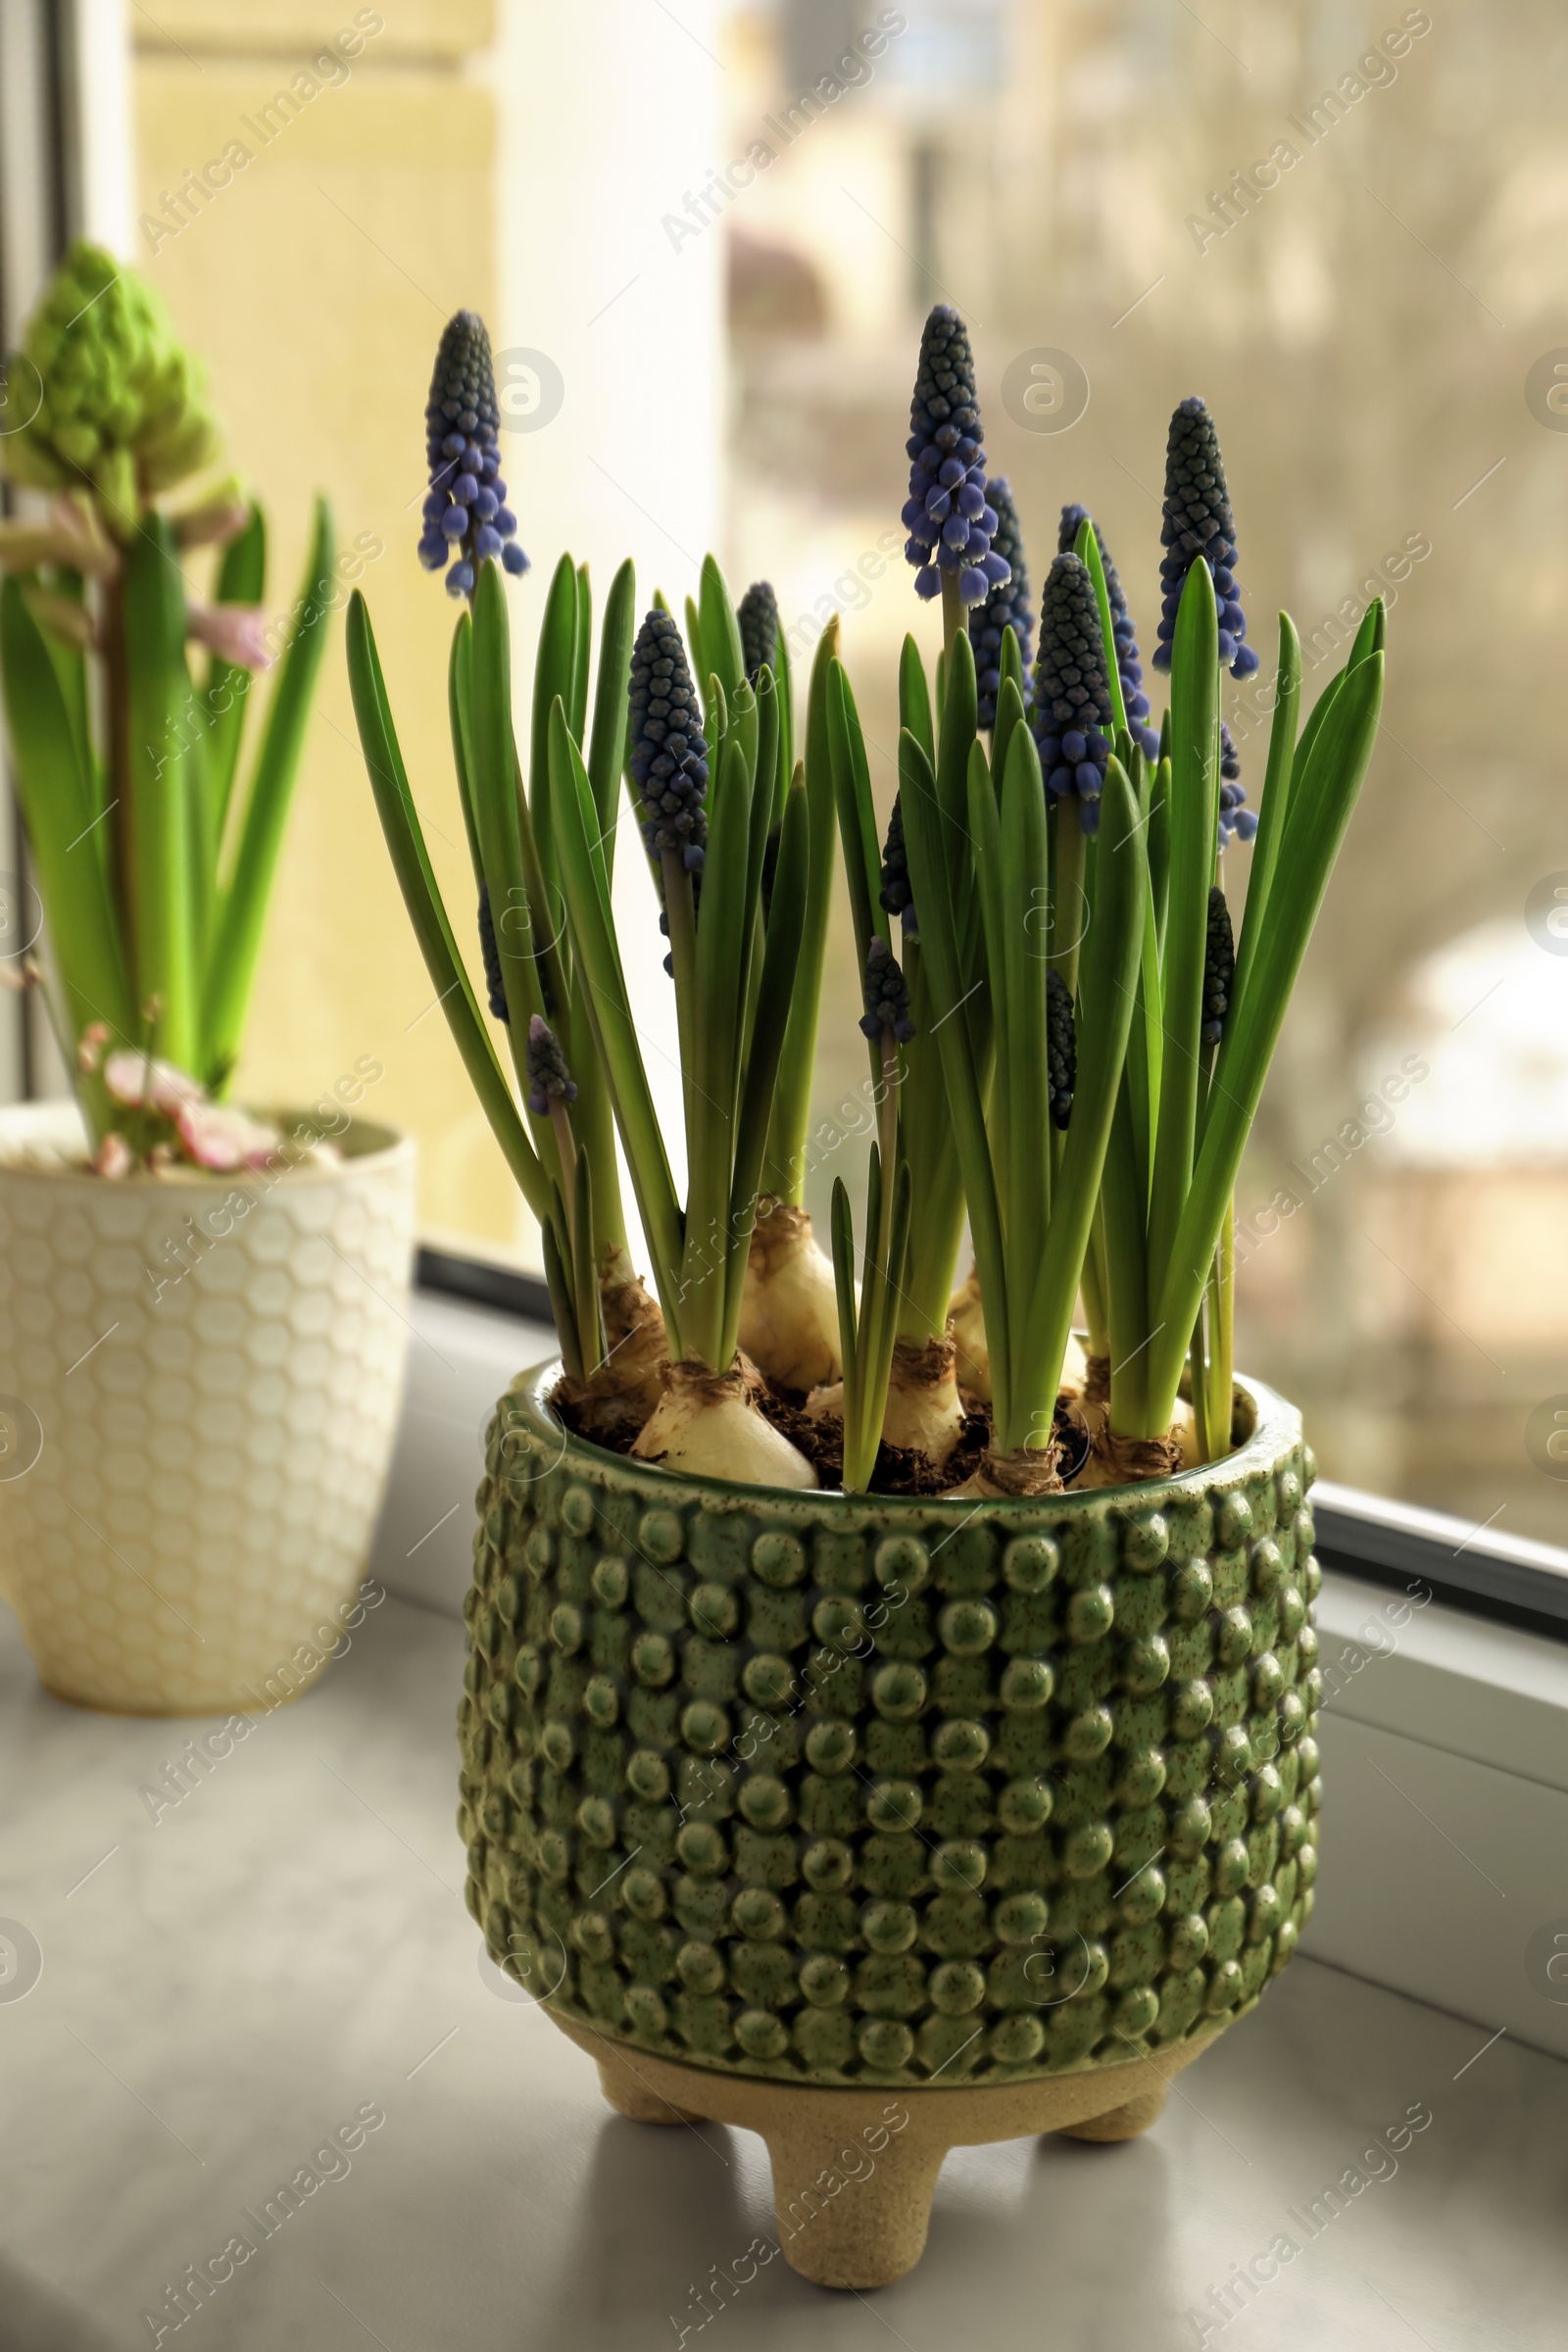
958, 536
155, 865
722, 815
1065, 1045
552, 1116
1136, 824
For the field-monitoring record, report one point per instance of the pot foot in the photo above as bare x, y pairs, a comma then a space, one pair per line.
1121, 2123
842, 2226
633, 2097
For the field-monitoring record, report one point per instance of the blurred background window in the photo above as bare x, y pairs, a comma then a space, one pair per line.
705, 237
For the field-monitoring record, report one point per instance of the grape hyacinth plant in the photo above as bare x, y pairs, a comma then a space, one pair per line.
466, 517
1064, 1053
951, 524
126, 695
559, 1139
1198, 523
1156, 1263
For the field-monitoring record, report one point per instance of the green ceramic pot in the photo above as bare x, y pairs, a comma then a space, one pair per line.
848, 1790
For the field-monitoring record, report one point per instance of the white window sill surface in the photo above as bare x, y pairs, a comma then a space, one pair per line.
288, 1945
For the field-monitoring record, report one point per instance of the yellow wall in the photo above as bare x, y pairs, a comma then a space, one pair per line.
316, 285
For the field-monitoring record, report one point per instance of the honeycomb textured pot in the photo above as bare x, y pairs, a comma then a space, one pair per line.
857, 1792
191, 1461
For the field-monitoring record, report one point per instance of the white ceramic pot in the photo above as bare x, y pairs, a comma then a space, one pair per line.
191, 1461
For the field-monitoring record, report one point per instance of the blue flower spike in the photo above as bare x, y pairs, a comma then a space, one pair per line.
1008, 606
669, 749
951, 524
1129, 662
1198, 523
1072, 697
466, 517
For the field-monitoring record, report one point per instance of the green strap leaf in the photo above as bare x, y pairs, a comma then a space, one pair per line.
914, 700
856, 816
460, 722
162, 879
55, 809
719, 631
1108, 979
784, 1170
242, 918
241, 581
1274, 806
1019, 1006
1194, 805
585, 881
791, 882
1323, 798
1086, 548
606, 752
498, 815
421, 897
582, 653
555, 677
932, 857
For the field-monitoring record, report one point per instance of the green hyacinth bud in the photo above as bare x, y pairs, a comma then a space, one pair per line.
118, 407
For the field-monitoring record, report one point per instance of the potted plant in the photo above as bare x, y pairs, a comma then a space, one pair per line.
887, 1771
201, 1306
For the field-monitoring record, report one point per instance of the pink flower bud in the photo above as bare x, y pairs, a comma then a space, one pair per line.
236, 633
143, 1084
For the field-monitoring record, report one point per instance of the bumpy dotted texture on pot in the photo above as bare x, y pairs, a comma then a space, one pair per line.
862, 1792
213, 1452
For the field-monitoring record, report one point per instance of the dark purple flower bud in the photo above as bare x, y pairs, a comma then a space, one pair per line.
549, 1080
667, 750
1198, 523
1072, 700
465, 519
494, 986
887, 996
1219, 967
1009, 604
1061, 1048
896, 895
949, 521
1129, 666
757, 616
